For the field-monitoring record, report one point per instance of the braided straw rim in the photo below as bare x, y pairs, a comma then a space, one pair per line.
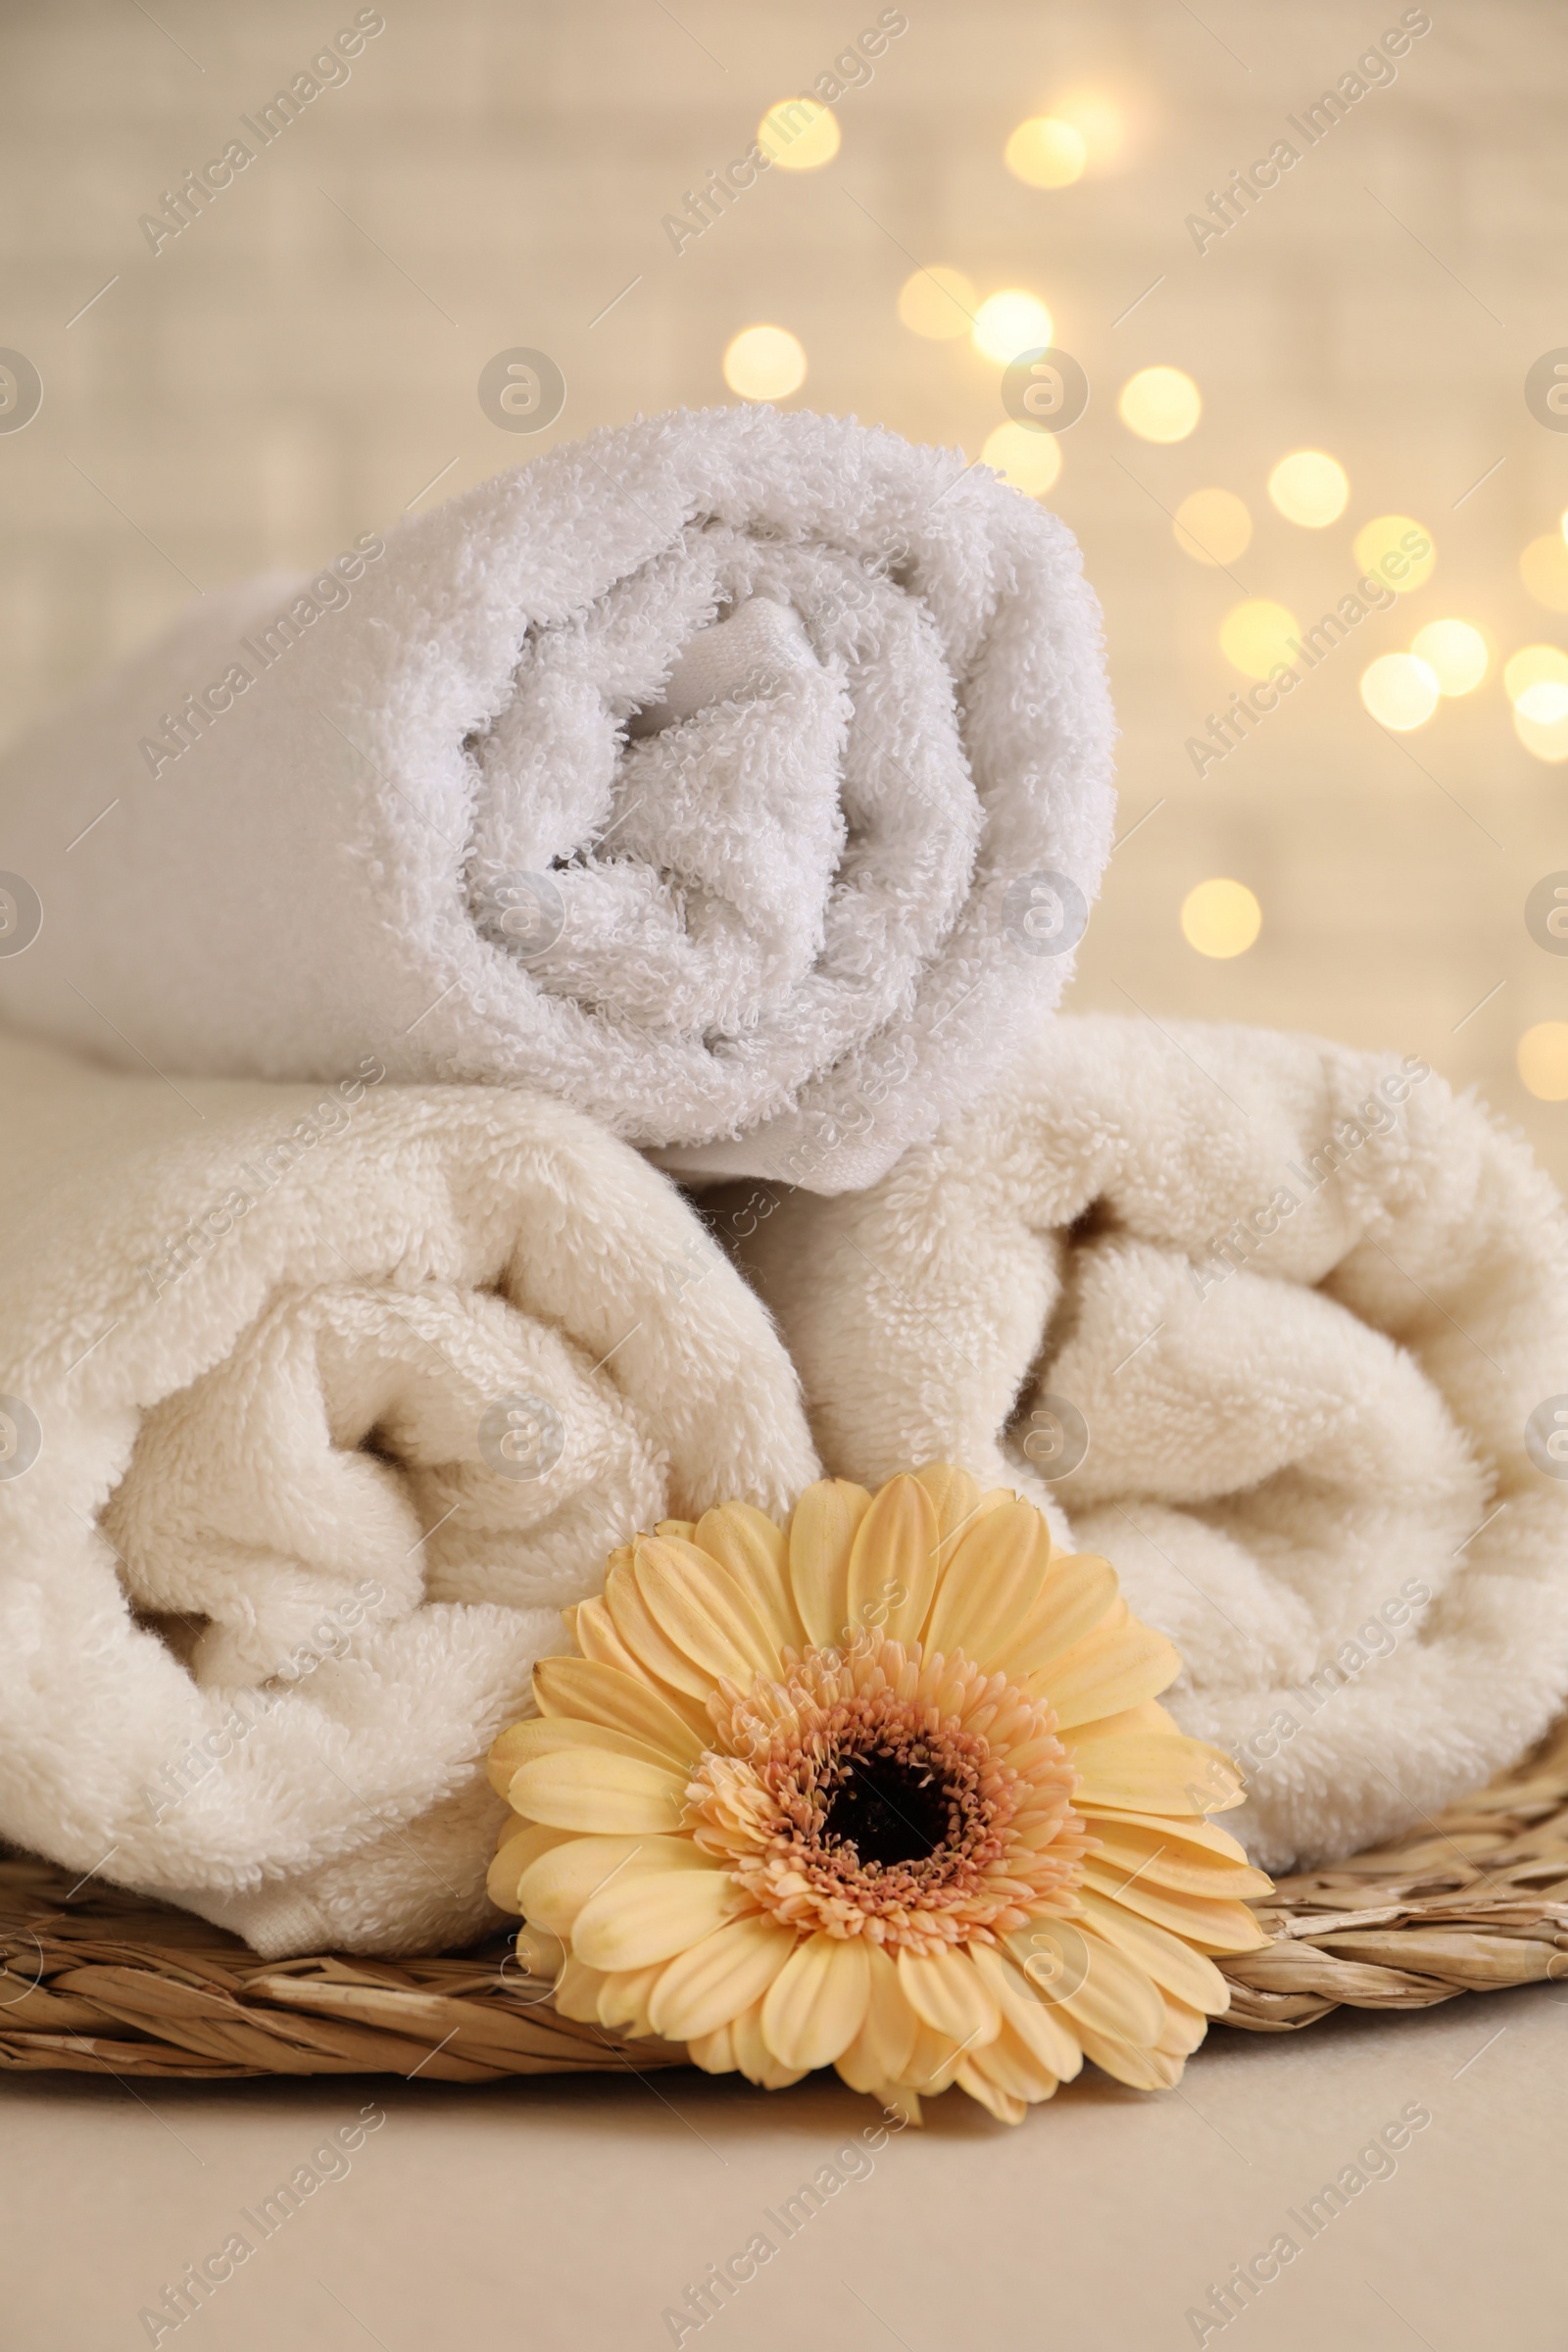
98, 1981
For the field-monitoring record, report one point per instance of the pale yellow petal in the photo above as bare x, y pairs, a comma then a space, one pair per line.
591, 1790
1029, 2011
893, 1562
1141, 2068
1008, 2064
1154, 1772
1002, 2104
752, 2056
880, 2051
1217, 1927
1108, 1670
686, 1529
1185, 2029
521, 1844
901, 2098
651, 1915
947, 1992
821, 1533
1079, 1593
1115, 1997
958, 1503
702, 1611
554, 1735
623, 2000
704, 1988
588, 1693
713, 2052
576, 1993
757, 1554
1173, 1963
933, 2062
994, 1576
818, 2002
1177, 1829
652, 1651
1167, 1862
500, 1763
559, 1881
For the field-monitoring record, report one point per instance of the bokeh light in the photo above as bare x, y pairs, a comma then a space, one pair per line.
1541, 1054
1389, 548
1030, 461
1212, 526
801, 134
1547, 737
938, 303
1401, 691
1161, 404
764, 363
1099, 123
1254, 636
1531, 666
1011, 322
1544, 569
1047, 153
1456, 653
1310, 487
1221, 917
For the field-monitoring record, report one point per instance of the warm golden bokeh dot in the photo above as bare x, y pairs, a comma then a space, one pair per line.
1212, 526
1541, 1054
1456, 653
801, 134
1310, 487
764, 363
1544, 737
1161, 404
1009, 322
1391, 548
1030, 461
1047, 153
938, 303
1221, 917
1099, 123
1254, 636
1544, 569
1532, 665
1401, 691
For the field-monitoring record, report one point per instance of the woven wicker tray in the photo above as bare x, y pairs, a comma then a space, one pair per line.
101, 1981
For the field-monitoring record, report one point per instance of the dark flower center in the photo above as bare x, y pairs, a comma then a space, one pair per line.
890, 1810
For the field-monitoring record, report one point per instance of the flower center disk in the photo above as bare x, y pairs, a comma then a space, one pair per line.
889, 1809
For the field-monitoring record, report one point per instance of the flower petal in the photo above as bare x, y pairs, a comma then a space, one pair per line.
994, 1576
1216, 1926
561, 1879
686, 1529
1030, 2013
551, 1735
1188, 1830
754, 2059
821, 1533
880, 2051
1169, 1959
1112, 1668
1080, 1591
1154, 1772
1166, 1862
701, 1609
1185, 2030
706, 1987
653, 1652
576, 1993
818, 2002
893, 1562
1002, 2104
623, 2000
1008, 2064
713, 2052
756, 1553
591, 1790
958, 1503
521, 1844
1115, 1997
1130, 2063
651, 1915
589, 1692
947, 1992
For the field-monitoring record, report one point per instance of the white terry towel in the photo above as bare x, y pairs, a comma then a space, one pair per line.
315, 1407
741, 778
1279, 1328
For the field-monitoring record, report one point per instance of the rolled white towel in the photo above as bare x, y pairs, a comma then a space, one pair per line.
1281, 1331
738, 777
315, 1407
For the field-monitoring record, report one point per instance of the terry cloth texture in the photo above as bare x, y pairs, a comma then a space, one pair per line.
1281, 1331
315, 1407
740, 778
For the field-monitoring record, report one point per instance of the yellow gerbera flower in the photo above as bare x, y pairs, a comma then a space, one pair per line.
886, 1790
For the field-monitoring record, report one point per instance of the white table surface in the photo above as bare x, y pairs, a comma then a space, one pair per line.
570, 2212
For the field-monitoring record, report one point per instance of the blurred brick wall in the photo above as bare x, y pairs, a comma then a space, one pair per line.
282, 377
